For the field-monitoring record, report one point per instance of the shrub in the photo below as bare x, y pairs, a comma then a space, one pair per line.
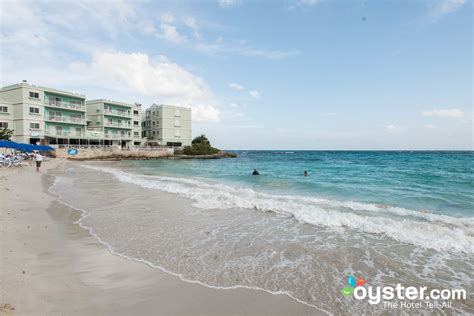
200, 146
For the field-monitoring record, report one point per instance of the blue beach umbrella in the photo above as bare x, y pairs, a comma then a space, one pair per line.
24, 147
9, 144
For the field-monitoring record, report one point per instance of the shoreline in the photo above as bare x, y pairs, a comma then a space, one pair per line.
52, 265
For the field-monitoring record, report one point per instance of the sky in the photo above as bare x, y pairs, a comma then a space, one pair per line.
292, 74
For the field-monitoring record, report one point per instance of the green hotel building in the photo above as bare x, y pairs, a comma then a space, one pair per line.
50, 116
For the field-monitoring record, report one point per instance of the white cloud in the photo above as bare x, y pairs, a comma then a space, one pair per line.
160, 78
139, 73
443, 7
243, 48
192, 24
452, 113
393, 128
430, 126
148, 27
254, 94
170, 33
227, 3
168, 29
203, 113
236, 86
167, 18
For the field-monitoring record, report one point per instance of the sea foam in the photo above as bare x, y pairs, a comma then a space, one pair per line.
419, 228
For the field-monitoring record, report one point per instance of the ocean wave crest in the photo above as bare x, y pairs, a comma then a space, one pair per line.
419, 228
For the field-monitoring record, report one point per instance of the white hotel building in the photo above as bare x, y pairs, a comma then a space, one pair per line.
56, 117
167, 125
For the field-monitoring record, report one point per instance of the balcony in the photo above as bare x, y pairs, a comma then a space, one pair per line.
116, 136
117, 125
62, 133
117, 113
65, 119
65, 105
94, 134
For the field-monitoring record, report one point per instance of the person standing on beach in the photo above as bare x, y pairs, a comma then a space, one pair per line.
38, 159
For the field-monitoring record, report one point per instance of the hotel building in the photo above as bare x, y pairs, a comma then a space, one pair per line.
120, 123
167, 125
55, 117
44, 115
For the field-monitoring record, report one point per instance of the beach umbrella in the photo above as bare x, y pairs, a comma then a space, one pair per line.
45, 148
24, 147
9, 144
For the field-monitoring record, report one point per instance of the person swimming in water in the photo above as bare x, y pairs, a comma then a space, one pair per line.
305, 173
255, 172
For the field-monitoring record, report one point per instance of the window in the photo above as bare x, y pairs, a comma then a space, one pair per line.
135, 112
135, 123
34, 95
34, 125
153, 132
76, 118
55, 116
177, 123
34, 110
136, 134
154, 122
3, 125
177, 113
3, 109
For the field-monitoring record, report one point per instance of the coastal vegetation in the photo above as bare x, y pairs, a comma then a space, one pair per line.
6, 134
200, 146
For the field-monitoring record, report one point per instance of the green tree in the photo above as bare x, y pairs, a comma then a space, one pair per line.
6, 134
201, 140
200, 146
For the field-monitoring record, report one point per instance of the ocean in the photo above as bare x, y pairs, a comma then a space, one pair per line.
388, 217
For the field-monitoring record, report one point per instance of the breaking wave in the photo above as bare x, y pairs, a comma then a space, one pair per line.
419, 228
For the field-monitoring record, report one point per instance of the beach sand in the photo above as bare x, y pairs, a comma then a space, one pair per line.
49, 265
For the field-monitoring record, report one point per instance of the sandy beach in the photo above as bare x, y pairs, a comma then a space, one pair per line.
49, 265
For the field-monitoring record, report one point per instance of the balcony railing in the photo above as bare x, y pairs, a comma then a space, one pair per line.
117, 136
65, 105
113, 124
65, 119
64, 133
119, 113
94, 134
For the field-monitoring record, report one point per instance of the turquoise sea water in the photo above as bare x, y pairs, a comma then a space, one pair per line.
388, 217
437, 182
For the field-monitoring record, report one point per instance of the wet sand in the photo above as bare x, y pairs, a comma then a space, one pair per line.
49, 265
